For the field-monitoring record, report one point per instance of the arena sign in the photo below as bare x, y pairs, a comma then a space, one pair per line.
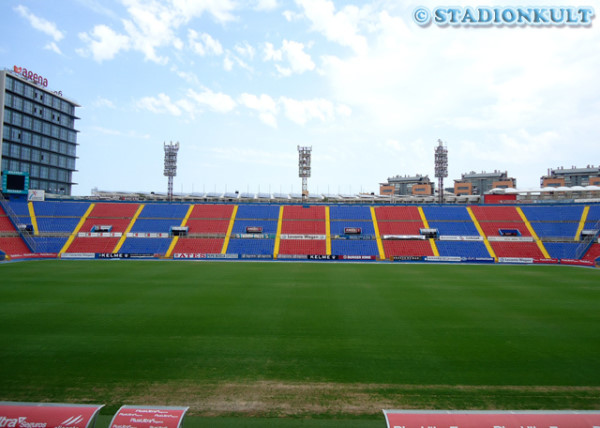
491, 419
147, 417
44, 415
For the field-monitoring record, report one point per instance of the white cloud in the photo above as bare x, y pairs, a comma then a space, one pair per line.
103, 102
204, 44
151, 25
103, 43
340, 27
53, 47
245, 49
160, 104
266, 5
265, 106
301, 111
216, 101
40, 24
298, 61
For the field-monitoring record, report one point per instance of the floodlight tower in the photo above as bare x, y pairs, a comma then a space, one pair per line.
441, 167
304, 168
171, 165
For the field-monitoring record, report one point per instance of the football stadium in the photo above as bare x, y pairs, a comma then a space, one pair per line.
423, 306
296, 314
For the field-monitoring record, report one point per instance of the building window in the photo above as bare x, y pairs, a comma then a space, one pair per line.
25, 153
35, 170
6, 149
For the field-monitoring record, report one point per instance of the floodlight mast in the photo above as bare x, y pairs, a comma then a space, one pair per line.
441, 167
170, 165
304, 168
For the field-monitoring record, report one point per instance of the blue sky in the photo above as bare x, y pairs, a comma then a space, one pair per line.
241, 84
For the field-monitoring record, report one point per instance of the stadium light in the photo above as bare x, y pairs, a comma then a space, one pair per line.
304, 168
441, 167
171, 165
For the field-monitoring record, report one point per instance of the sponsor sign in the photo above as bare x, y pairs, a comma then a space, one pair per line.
546, 261
510, 238
148, 417
254, 229
78, 256
460, 238
352, 230
466, 419
292, 256
403, 237
44, 415
148, 235
30, 75
288, 236
204, 256
253, 236
113, 255
479, 259
99, 234
36, 195
443, 259
407, 258
523, 260
321, 257
574, 262
358, 257
34, 256
256, 256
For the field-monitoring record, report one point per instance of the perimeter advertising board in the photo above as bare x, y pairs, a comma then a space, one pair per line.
147, 417
44, 415
465, 419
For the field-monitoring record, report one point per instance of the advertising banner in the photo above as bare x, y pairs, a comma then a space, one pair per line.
576, 262
78, 256
34, 256
407, 258
460, 238
466, 419
44, 415
36, 195
510, 238
358, 257
444, 259
113, 255
407, 237
147, 417
523, 260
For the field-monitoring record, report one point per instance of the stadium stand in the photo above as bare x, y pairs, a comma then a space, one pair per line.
462, 249
544, 231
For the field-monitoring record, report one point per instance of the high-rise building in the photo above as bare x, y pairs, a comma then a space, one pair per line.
38, 131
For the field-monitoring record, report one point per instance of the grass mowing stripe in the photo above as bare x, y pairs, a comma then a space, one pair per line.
112, 324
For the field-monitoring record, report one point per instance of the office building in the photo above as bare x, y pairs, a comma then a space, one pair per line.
38, 131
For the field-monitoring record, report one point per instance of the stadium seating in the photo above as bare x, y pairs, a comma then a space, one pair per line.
164, 211
145, 246
593, 252
555, 225
516, 249
407, 248
446, 213
354, 247
199, 245
462, 249
13, 245
302, 246
251, 246
93, 245
562, 250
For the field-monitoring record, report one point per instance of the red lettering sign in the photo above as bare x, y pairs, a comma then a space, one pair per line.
30, 75
146, 417
447, 419
43, 415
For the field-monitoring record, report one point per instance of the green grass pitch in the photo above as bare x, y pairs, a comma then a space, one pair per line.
300, 340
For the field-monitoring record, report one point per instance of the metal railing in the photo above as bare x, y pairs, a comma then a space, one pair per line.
25, 235
587, 241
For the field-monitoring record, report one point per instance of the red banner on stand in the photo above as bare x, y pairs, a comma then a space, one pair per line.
147, 417
465, 419
45, 415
